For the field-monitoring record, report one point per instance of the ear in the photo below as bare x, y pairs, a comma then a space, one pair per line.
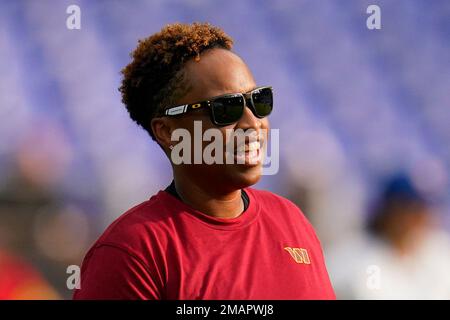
162, 129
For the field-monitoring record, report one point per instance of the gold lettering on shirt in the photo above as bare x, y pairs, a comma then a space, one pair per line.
300, 255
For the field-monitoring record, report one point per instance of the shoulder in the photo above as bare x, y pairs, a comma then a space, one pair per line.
139, 228
272, 202
131, 249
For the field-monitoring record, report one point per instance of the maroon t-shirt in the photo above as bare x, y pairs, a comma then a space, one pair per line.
164, 249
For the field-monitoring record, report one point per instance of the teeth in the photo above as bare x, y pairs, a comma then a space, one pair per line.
241, 148
252, 146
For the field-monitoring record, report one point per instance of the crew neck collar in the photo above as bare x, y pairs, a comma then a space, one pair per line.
244, 219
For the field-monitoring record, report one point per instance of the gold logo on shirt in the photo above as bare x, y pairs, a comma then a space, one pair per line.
300, 255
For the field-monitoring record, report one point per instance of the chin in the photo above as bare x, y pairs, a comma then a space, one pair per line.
243, 176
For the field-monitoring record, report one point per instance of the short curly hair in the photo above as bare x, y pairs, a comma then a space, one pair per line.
155, 77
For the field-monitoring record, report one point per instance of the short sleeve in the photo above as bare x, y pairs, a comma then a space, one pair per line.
112, 273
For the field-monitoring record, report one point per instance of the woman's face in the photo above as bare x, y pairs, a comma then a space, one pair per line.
221, 72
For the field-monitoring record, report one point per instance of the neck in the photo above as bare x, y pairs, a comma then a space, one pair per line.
206, 199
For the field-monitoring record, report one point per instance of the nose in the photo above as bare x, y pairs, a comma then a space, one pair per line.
248, 121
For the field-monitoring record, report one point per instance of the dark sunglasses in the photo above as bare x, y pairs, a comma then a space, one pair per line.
229, 108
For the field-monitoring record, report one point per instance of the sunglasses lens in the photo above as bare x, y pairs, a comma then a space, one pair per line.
263, 102
227, 110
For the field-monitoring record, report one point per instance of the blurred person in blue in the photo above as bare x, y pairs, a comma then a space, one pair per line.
404, 255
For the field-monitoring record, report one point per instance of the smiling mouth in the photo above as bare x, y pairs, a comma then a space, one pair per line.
249, 153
